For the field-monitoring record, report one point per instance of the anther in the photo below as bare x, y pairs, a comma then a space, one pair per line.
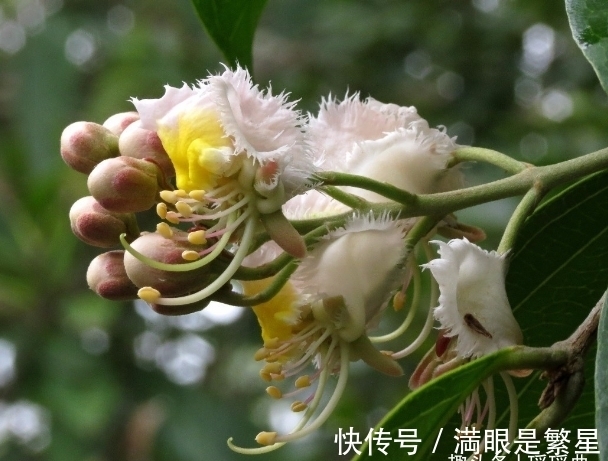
184, 209
298, 406
273, 368
265, 376
164, 229
260, 354
161, 210
198, 195
149, 294
197, 237
302, 382
181, 193
190, 255
168, 196
266, 438
274, 392
398, 301
172, 217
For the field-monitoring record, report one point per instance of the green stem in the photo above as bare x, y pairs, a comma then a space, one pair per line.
473, 154
331, 178
443, 203
525, 207
347, 199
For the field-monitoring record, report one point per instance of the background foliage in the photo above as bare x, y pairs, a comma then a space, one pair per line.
85, 379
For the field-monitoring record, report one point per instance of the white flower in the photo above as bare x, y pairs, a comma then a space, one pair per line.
322, 315
473, 304
239, 154
384, 142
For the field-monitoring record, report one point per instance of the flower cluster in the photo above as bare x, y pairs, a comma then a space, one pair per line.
232, 173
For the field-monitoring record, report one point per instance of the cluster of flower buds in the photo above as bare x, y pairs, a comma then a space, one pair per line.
222, 161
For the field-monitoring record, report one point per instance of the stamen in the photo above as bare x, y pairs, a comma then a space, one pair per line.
197, 237
237, 260
513, 404
149, 294
428, 324
274, 392
164, 229
411, 313
161, 210
172, 217
302, 382
228, 210
181, 267
169, 196
184, 209
198, 195
190, 255
331, 404
181, 193
266, 438
298, 406
260, 354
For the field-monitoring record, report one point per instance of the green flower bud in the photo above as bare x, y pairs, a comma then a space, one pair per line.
95, 225
106, 276
170, 251
125, 184
118, 122
86, 144
140, 143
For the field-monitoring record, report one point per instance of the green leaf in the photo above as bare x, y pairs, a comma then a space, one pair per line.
601, 380
430, 407
557, 273
589, 24
231, 24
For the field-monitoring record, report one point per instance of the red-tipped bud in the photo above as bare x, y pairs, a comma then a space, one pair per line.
165, 250
118, 122
95, 225
106, 276
140, 143
86, 144
125, 184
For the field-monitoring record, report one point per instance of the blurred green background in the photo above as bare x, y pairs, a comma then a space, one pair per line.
86, 379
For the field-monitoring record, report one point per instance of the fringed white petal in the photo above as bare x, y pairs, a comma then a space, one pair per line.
473, 302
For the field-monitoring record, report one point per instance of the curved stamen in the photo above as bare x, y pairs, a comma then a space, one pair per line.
513, 404
428, 324
410, 315
307, 415
221, 214
237, 260
331, 404
180, 267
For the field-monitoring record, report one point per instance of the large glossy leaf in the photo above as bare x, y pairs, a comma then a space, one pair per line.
231, 24
558, 272
601, 383
589, 24
429, 408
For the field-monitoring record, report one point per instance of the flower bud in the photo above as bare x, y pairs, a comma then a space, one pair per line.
106, 276
124, 184
138, 142
118, 122
95, 225
85, 144
165, 250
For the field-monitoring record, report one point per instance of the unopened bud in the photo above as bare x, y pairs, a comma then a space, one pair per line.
162, 249
124, 184
86, 144
95, 225
137, 142
117, 123
107, 277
